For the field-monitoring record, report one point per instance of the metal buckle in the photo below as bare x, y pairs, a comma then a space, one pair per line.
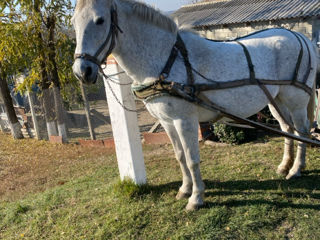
189, 89
163, 76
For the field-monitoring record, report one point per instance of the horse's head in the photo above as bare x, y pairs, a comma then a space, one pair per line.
95, 24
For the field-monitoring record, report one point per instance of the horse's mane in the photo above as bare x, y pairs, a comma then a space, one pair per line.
152, 15
144, 12
81, 3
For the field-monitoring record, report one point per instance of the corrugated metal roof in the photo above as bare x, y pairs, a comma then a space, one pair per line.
219, 12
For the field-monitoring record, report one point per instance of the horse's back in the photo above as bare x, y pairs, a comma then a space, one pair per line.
274, 54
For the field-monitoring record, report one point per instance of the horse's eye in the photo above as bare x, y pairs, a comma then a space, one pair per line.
100, 21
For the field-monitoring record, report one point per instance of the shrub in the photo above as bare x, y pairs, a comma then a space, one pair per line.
228, 134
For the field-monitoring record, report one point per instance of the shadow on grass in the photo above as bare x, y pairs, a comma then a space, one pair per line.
258, 202
283, 192
306, 182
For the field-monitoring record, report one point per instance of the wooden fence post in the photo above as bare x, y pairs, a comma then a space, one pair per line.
124, 126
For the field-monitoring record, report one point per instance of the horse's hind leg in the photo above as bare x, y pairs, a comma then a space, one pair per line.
288, 155
301, 124
185, 190
187, 129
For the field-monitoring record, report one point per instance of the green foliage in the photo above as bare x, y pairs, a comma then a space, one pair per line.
228, 134
25, 41
15, 213
127, 189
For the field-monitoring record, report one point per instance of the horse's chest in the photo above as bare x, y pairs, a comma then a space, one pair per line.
168, 108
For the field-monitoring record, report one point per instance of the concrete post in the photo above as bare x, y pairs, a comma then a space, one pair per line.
34, 116
124, 126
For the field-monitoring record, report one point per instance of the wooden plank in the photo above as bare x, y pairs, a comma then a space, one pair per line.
155, 127
87, 110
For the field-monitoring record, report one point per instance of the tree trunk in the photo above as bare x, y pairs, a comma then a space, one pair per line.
51, 23
45, 83
62, 130
9, 109
49, 113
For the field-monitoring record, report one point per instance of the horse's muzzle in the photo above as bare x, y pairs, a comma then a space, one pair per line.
85, 71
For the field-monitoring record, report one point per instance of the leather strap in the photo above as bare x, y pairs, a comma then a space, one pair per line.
167, 68
263, 87
249, 61
184, 52
246, 82
179, 47
298, 64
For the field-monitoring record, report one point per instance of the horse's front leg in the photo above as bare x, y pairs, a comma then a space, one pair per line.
187, 129
185, 190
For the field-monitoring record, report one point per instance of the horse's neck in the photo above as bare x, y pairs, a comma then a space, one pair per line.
143, 49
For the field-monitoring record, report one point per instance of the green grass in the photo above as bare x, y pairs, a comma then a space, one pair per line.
245, 199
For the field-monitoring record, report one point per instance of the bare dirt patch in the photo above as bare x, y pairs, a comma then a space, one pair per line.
32, 166
78, 127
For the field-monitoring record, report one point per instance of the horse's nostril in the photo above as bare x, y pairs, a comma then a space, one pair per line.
88, 71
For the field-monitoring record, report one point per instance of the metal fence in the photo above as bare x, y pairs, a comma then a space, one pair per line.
74, 114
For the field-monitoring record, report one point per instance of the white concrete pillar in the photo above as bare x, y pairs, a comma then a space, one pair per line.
124, 126
34, 115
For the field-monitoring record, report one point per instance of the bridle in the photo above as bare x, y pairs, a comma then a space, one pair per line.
112, 35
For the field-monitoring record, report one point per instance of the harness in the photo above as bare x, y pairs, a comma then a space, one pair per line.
145, 92
193, 92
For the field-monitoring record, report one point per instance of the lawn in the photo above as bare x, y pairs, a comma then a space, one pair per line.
69, 192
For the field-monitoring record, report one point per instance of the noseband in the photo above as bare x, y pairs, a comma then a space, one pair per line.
113, 33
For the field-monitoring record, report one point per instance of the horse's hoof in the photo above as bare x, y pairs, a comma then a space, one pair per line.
282, 171
182, 195
193, 206
293, 175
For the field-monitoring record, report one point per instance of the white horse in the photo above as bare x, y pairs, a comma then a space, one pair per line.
141, 39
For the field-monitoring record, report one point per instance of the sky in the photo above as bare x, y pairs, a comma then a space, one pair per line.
164, 5
167, 5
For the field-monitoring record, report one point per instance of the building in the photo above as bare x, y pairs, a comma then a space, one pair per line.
227, 19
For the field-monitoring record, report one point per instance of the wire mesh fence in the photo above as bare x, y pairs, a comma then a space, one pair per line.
31, 114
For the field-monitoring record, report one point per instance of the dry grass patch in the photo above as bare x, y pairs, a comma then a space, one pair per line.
29, 166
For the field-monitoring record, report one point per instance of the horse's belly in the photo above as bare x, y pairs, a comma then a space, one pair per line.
242, 101
169, 108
